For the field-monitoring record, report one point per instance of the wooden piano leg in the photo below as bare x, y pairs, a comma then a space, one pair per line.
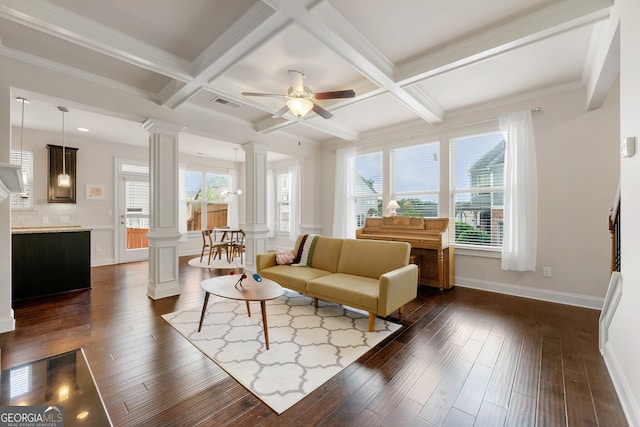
441, 268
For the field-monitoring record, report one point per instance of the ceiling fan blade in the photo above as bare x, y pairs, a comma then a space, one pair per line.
271, 95
296, 78
348, 93
278, 114
321, 111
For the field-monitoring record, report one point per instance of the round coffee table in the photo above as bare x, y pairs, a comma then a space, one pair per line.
251, 290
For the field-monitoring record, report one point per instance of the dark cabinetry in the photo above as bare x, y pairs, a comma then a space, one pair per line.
56, 194
45, 263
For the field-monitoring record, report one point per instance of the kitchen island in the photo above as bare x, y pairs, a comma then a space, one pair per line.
49, 260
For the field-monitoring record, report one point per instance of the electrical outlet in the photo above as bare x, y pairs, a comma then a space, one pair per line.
546, 271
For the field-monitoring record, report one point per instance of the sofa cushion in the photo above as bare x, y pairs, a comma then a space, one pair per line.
372, 258
355, 291
294, 278
327, 253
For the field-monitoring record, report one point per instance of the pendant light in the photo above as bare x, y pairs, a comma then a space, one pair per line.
63, 179
25, 173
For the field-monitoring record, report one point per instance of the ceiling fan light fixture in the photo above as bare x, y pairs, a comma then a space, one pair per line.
299, 106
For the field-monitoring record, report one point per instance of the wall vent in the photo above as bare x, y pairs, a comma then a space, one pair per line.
223, 101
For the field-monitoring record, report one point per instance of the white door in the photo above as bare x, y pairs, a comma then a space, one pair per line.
133, 224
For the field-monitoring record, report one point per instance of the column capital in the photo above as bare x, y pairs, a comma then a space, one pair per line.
153, 125
255, 147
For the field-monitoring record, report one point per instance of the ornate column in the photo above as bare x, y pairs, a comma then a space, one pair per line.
163, 208
255, 226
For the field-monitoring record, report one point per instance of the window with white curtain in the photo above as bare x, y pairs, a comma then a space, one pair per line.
283, 200
415, 172
368, 186
23, 200
205, 203
477, 189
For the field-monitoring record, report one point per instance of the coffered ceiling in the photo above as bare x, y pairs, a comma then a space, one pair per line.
409, 61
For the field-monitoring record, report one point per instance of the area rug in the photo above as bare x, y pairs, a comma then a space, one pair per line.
306, 347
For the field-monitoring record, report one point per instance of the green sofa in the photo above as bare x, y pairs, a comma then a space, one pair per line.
369, 275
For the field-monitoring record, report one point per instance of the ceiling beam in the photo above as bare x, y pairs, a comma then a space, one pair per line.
61, 23
518, 32
603, 68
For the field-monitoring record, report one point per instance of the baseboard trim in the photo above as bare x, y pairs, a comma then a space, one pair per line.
533, 293
8, 323
625, 395
103, 261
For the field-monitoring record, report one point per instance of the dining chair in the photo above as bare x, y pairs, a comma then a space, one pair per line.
207, 245
213, 246
237, 246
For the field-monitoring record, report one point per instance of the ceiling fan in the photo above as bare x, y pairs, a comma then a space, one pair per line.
300, 99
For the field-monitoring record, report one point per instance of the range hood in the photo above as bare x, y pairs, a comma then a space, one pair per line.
10, 180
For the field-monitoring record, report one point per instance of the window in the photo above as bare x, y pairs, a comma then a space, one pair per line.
416, 179
23, 200
477, 176
204, 192
283, 202
368, 186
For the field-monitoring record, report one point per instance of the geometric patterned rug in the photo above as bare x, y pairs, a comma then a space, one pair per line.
306, 348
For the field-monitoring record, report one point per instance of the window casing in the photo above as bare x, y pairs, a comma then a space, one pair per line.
477, 176
411, 175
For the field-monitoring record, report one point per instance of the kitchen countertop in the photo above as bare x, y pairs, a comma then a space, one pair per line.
48, 229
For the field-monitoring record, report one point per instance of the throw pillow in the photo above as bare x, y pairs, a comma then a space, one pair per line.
305, 251
284, 257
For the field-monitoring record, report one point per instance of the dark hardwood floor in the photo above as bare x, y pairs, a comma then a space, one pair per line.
463, 358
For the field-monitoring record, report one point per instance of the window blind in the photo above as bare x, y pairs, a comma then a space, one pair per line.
416, 179
477, 172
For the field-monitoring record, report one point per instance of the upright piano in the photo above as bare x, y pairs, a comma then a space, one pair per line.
429, 239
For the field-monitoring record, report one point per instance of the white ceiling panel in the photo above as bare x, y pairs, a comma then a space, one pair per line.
403, 29
183, 28
265, 69
388, 110
533, 67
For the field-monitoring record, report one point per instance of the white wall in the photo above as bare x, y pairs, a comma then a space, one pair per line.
623, 349
578, 169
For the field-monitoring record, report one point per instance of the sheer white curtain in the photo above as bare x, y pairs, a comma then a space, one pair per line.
520, 232
294, 202
344, 207
182, 201
271, 203
233, 209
